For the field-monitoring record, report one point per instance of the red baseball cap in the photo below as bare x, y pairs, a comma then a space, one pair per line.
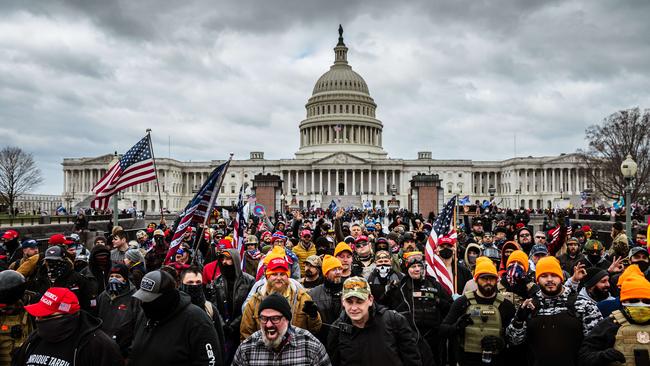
277, 265
447, 240
55, 300
59, 239
361, 238
10, 234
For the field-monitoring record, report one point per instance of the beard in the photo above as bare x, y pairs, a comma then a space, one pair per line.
311, 273
275, 288
598, 294
548, 292
273, 344
487, 290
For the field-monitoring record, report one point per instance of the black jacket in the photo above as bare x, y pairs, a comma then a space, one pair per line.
92, 347
186, 337
387, 339
119, 316
328, 300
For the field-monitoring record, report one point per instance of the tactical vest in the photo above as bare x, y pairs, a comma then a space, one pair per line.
630, 337
487, 321
511, 296
14, 330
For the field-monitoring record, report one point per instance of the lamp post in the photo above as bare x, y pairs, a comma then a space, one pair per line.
628, 169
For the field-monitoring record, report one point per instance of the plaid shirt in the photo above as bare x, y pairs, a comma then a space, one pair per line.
301, 349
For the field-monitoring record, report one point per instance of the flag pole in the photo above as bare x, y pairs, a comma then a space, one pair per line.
160, 201
213, 197
456, 247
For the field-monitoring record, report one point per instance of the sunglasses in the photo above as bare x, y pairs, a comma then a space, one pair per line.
540, 237
275, 320
362, 244
355, 285
524, 235
307, 236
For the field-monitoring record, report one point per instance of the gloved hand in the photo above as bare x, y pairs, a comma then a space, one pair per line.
492, 343
523, 313
463, 322
612, 355
310, 309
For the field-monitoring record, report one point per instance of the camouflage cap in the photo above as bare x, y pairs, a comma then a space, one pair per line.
356, 287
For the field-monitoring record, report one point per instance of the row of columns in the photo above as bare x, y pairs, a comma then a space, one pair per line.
340, 134
550, 180
326, 181
81, 180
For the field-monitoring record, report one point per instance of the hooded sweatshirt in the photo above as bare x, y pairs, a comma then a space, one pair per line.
469, 265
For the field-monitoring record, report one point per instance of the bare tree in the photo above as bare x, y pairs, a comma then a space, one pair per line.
622, 133
18, 175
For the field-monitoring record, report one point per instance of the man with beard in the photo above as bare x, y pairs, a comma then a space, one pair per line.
478, 320
312, 277
525, 239
60, 273
252, 255
553, 321
118, 309
623, 337
192, 284
594, 286
423, 301
65, 334
305, 312
364, 258
155, 256
230, 290
572, 256
278, 342
171, 331
304, 249
384, 277
327, 296
620, 246
368, 333
29, 264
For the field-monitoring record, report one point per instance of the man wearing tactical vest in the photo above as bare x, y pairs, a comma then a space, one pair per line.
15, 323
623, 337
479, 318
553, 321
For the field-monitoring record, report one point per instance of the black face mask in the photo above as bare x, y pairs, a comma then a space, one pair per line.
58, 329
446, 253
643, 265
228, 271
79, 265
594, 258
162, 306
56, 269
196, 294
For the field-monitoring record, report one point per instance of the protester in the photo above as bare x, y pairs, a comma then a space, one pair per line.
327, 296
252, 255
98, 269
16, 325
29, 264
120, 246
572, 256
344, 253
312, 276
304, 249
135, 263
368, 333
171, 331
66, 335
385, 277
155, 256
277, 342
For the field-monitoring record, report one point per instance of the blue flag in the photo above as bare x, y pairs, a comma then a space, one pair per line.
464, 201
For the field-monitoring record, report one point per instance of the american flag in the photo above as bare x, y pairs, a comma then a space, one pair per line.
196, 211
239, 226
135, 167
442, 227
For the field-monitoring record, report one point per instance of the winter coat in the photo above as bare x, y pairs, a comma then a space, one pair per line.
567, 262
186, 337
297, 297
118, 316
386, 339
92, 347
303, 253
136, 272
328, 300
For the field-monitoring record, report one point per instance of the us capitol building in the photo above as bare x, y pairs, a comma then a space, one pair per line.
341, 158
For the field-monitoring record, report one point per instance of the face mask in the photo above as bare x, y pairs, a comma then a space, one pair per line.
471, 258
446, 253
56, 269
57, 329
640, 313
79, 265
162, 306
515, 274
116, 286
195, 292
643, 265
102, 261
383, 271
594, 258
228, 271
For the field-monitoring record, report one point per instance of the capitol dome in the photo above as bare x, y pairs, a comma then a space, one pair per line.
341, 114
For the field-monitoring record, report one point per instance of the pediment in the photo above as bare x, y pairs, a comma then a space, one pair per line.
340, 158
566, 158
104, 159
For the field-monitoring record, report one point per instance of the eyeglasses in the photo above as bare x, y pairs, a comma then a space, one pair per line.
524, 235
540, 237
307, 236
274, 319
362, 244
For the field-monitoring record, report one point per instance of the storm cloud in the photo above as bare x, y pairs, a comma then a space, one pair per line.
458, 78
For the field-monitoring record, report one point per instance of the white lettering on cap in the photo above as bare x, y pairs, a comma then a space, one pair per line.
147, 284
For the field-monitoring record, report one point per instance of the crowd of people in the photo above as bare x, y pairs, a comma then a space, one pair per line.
330, 288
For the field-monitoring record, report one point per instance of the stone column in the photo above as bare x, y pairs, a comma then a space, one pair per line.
312, 181
385, 181
361, 181
562, 179
329, 182
336, 182
289, 181
354, 187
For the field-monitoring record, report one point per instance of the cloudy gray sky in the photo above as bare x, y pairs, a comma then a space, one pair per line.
458, 78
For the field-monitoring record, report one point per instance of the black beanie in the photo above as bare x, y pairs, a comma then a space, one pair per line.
593, 276
278, 303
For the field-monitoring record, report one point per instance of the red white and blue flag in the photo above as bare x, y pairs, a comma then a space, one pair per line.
195, 212
443, 227
135, 167
239, 226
